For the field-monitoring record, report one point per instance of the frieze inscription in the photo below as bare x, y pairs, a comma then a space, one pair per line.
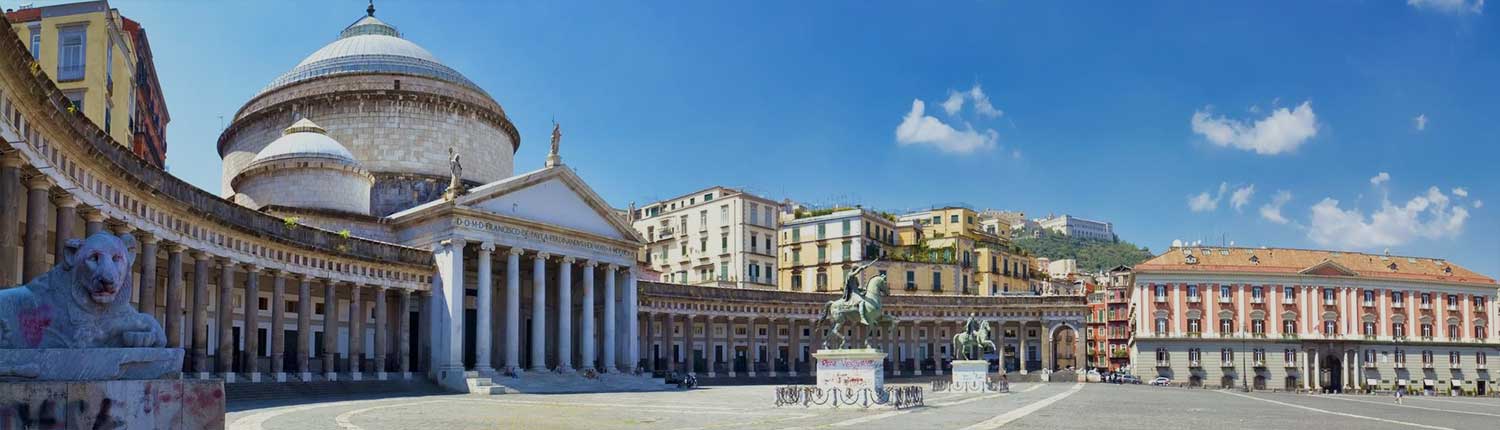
540, 236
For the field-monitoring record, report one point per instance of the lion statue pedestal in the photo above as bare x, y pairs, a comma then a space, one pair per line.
74, 353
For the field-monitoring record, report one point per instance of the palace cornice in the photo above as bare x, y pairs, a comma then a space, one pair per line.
491, 114
1195, 277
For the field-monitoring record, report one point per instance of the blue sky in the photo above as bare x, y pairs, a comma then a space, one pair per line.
1133, 113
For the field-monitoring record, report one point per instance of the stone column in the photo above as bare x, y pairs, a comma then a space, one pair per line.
632, 321
565, 315
773, 346
382, 331
587, 339
610, 365
403, 339
708, 347
249, 332
728, 357
10, 218
937, 342
911, 349
1317, 369
1021, 346
649, 332
686, 338
539, 312
794, 351
93, 221
34, 251
483, 302
330, 330
1306, 375
147, 282
448, 313
67, 210
278, 325
172, 320
513, 310
225, 352
1047, 352
357, 316
200, 313
304, 326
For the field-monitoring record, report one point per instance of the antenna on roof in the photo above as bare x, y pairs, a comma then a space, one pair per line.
370, 10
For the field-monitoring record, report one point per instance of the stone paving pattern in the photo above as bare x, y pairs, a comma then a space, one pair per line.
1028, 406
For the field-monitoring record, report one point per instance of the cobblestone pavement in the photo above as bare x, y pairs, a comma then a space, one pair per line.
1028, 406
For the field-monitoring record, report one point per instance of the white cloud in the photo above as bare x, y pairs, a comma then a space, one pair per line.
1241, 197
918, 128
1380, 179
1428, 216
1281, 131
982, 103
1420, 121
954, 103
1272, 211
1461, 192
1205, 202
1478, 204
1449, 6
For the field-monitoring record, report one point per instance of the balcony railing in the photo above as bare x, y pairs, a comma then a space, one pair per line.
1260, 364
1426, 306
1223, 299
1226, 364
1426, 365
1453, 365
1163, 363
1369, 303
1480, 366
1193, 299
1257, 300
1291, 363
1194, 364
1161, 299
1400, 365
1397, 304
1369, 365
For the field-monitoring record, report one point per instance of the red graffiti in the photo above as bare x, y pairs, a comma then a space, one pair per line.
34, 323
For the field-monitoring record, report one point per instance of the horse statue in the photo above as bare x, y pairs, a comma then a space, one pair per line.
863, 308
972, 345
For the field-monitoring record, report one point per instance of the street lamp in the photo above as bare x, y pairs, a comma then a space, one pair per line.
1243, 381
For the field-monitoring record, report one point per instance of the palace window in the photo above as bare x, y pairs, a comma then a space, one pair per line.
36, 42
937, 281
1162, 356
1330, 328
1161, 293
1194, 357
847, 251
1369, 356
1226, 355
1289, 327
1426, 330
911, 280
1256, 295
1258, 327
1479, 332
1328, 296
1368, 329
1453, 332
1426, 356
1426, 300
1193, 326
1398, 329
1161, 325
1478, 303
1289, 356
1259, 355
1224, 293
1454, 358
1452, 302
822, 280
1192, 293
1369, 297
822, 231
1480, 358
1400, 357
822, 253
1397, 299
1226, 326
846, 227
1289, 294
71, 53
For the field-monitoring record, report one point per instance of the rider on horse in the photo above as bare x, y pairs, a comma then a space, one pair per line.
851, 282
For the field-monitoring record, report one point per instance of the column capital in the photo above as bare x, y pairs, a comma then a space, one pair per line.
252, 268
64, 200
542, 255
452, 242
487, 246
38, 181
405, 292
200, 255
588, 263
175, 247
146, 238
92, 214
119, 227
224, 261
381, 289
568, 259
11, 159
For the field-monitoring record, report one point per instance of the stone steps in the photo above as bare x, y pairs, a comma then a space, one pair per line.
568, 382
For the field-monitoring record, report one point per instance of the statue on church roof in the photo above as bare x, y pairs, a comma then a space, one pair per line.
552, 158
455, 182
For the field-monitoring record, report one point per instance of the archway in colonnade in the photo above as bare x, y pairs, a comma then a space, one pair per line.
1064, 347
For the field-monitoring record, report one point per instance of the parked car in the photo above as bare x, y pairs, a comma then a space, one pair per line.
1161, 380
1128, 379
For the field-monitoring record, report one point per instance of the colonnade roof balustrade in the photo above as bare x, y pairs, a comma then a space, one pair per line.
78, 157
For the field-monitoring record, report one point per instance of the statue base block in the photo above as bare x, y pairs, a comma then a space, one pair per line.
126, 404
850, 369
970, 371
90, 364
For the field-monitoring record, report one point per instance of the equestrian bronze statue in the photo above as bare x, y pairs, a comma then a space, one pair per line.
974, 341
862, 306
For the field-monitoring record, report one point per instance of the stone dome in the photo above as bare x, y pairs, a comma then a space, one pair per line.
305, 169
369, 45
304, 139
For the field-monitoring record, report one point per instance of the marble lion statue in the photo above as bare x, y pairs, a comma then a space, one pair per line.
83, 302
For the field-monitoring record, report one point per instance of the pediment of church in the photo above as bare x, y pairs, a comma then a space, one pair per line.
1328, 268
553, 196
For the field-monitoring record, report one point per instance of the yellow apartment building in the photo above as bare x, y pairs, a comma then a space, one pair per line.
85, 49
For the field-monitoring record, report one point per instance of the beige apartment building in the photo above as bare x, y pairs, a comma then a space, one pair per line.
717, 236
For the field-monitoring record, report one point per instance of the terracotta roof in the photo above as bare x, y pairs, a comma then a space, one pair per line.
24, 15
1310, 262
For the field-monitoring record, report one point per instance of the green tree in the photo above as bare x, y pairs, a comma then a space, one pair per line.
1092, 254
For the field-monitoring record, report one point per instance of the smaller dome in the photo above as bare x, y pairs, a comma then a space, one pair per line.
304, 139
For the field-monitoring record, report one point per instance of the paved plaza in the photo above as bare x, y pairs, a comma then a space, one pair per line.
1028, 406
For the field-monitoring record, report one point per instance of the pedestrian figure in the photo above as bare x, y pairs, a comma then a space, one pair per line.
1399, 392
